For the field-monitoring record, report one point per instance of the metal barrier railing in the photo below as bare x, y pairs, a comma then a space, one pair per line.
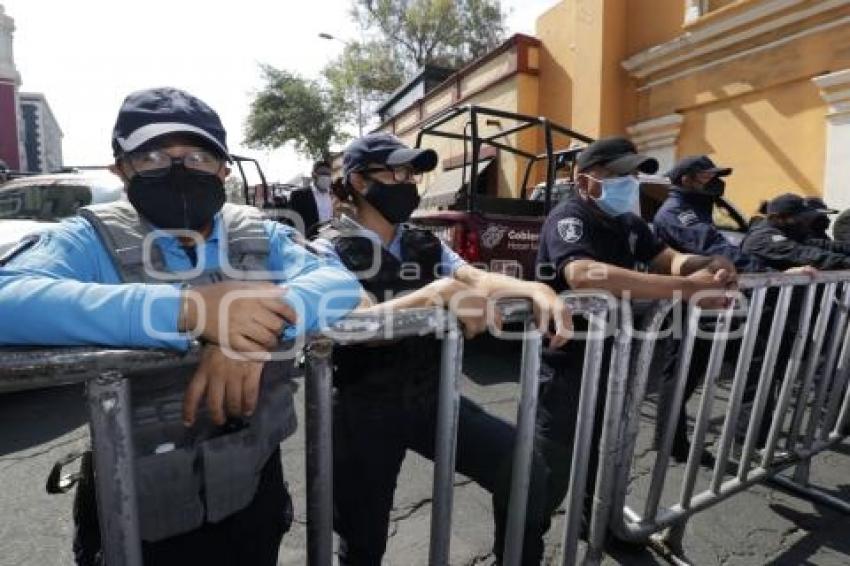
810, 412
359, 329
108, 373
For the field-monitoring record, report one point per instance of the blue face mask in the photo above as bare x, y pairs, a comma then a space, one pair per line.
619, 195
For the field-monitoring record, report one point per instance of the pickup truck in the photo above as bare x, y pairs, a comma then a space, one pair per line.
502, 234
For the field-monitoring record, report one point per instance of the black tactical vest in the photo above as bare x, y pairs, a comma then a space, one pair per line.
416, 358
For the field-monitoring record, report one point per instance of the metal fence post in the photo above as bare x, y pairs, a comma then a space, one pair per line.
593, 354
524, 445
318, 391
108, 398
446, 444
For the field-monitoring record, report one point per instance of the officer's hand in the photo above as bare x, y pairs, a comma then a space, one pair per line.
244, 317
471, 308
807, 270
709, 288
550, 309
720, 264
231, 386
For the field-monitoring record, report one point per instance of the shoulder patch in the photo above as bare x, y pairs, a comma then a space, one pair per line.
688, 217
571, 229
778, 238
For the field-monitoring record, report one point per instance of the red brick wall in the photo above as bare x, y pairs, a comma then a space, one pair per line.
8, 127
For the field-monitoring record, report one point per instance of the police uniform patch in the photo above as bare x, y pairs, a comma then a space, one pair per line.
688, 217
570, 229
778, 238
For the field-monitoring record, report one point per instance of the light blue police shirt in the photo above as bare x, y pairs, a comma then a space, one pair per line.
66, 291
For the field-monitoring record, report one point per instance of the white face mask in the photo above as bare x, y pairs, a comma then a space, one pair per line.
323, 183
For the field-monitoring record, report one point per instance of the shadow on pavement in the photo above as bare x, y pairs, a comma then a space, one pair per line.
825, 529
32, 418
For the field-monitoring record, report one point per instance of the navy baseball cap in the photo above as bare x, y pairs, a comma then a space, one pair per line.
386, 149
791, 205
617, 154
817, 203
149, 114
695, 164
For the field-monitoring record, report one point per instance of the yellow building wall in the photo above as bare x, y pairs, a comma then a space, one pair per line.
775, 140
758, 110
652, 22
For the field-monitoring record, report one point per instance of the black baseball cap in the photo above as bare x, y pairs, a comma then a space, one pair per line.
817, 203
149, 114
617, 154
791, 205
386, 149
694, 164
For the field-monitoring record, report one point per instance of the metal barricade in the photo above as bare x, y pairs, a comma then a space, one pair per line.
359, 329
107, 374
809, 415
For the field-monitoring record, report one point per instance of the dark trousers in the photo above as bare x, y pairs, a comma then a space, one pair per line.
372, 433
557, 415
699, 363
251, 536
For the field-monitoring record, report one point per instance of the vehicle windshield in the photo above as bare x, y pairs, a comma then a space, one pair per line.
47, 203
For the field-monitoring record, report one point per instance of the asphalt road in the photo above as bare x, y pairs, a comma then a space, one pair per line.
760, 526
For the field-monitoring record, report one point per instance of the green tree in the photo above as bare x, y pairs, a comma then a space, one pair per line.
402, 36
398, 37
290, 108
439, 32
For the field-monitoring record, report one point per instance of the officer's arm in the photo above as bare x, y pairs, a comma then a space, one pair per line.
320, 289
63, 291
587, 274
671, 262
829, 245
787, 251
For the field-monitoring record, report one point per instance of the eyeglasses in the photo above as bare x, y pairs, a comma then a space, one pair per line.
400, 174
157, 163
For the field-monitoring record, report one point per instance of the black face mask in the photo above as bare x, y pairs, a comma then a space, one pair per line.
179, 200
395, 202
796, 230
820, 224
715, 187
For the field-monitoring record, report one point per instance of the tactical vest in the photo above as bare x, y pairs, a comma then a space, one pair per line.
212, 471
414, 359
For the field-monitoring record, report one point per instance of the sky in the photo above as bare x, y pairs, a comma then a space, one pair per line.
87, 55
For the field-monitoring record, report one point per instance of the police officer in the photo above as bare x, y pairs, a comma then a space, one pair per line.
210, 481
780, 240
592, 240
386, 396
685, 220
819, 225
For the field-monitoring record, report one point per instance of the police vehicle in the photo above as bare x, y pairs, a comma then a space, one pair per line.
502, 234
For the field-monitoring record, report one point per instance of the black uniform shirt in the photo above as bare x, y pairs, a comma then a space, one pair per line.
575, 230
781, 251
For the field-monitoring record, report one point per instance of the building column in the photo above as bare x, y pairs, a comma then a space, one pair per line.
658, 138
835, 90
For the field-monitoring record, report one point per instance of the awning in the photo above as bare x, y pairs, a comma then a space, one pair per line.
444, 190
